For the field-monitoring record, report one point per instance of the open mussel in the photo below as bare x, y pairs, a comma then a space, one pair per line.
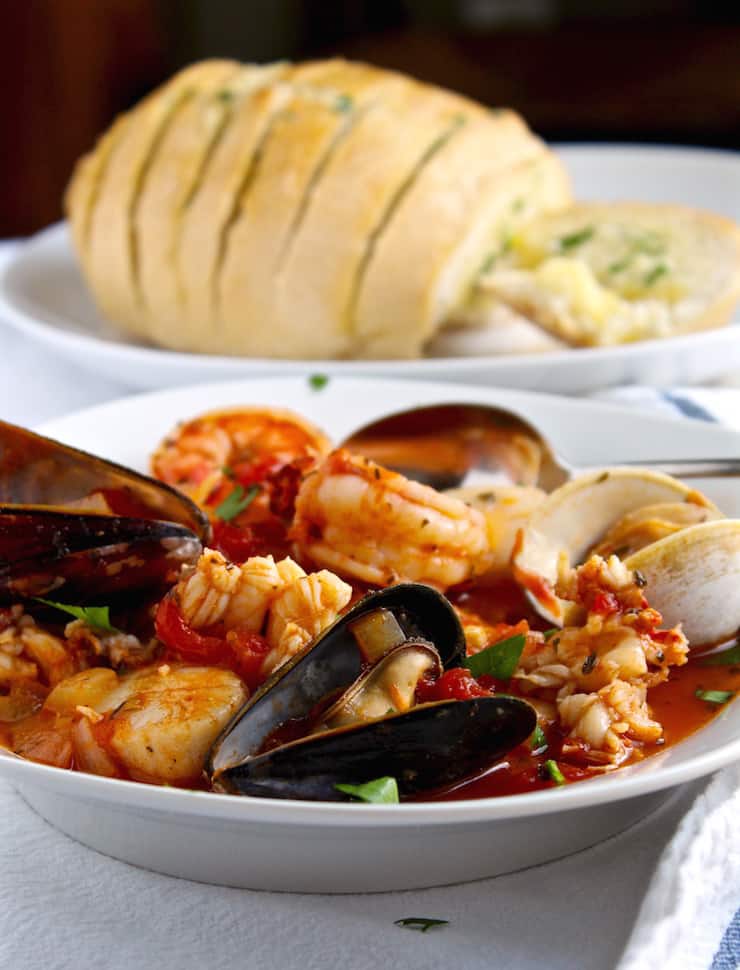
71, 521
343, 711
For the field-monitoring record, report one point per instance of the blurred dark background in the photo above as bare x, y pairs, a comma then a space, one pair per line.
635, 70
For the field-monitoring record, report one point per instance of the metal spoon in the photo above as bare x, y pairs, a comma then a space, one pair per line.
448, 445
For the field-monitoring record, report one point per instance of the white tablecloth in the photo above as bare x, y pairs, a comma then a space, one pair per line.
64, 906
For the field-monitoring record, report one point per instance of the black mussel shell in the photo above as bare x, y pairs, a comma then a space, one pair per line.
331, 663
429, 747
38, 471
75, 557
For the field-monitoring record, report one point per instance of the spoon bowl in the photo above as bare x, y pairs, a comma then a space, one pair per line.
453, 445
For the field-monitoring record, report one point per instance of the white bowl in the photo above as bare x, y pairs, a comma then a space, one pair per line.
314, 847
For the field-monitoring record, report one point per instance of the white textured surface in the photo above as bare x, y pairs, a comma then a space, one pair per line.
64, 906
696, 888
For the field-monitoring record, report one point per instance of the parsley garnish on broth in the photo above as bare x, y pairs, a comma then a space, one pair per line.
236, 502
97, 617
551, 767
379, 791
538, 741
715, 696
499, 660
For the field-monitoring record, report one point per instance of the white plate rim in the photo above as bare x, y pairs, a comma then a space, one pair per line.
629, 783
21, 317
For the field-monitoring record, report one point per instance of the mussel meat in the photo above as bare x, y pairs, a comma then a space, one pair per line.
342, 711
74, 521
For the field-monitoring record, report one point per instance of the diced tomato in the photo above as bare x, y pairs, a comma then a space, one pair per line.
248, 651
605, 602
185, 642
239, 542
457, 684
284, 483
238, 650
256, 471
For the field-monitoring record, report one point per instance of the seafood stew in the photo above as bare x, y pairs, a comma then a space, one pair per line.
344, 633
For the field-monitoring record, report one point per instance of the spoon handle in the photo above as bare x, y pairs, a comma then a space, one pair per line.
690, 468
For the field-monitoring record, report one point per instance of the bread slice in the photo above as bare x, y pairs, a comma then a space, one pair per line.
609, 273
83, 189
213, 210
111, 250
486, 181
171, 182
292, 163
364, 181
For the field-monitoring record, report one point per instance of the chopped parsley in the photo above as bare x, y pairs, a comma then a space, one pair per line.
655, 274
420, 923
97, 617
343, 103
380, 791
538, 741
575, 239
727, 658
619, 265
551, 767
499, 660
317, 382
715, 696
235, 502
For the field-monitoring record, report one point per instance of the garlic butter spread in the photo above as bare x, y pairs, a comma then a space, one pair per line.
609, 274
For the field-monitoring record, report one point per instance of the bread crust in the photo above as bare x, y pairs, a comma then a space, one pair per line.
427, 258
292, 163
111, 253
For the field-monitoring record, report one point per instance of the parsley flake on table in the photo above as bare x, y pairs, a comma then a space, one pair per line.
235, 502
379, 791
97, 617
499, 660
421, 923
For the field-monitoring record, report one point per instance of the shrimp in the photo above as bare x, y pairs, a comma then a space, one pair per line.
368, 523
300, 612
276, 599
506, 510
219, 591
155, 724
200, 454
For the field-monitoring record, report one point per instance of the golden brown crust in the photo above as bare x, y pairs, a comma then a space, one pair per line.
111, 263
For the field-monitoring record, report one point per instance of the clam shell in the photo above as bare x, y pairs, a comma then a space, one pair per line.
576, 516
693, 578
